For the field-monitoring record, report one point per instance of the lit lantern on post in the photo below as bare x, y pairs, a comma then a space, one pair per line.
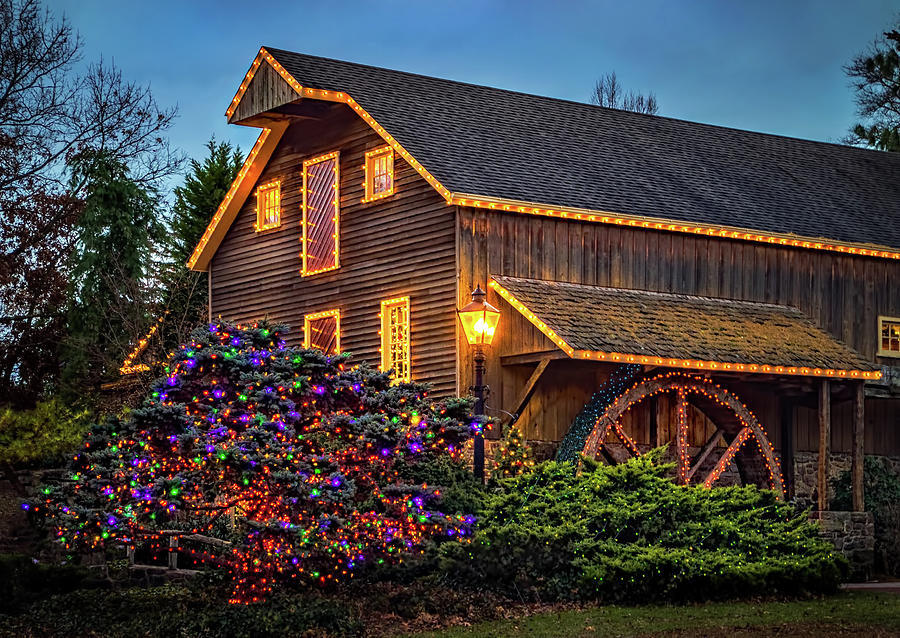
479, 320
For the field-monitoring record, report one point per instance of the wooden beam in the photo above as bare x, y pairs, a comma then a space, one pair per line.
708, 447
532, 357
859, 447
787, 445
654, 421
824, 442
528, 390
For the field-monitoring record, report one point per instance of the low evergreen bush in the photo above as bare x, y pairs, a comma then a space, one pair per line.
42, 436
24, 581
626, 533
180, 611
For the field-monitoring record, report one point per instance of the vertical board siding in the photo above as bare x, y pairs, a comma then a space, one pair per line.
842, 294
267, 90
403, 245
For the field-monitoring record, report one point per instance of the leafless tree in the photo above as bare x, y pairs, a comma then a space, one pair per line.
609, 93
50, 113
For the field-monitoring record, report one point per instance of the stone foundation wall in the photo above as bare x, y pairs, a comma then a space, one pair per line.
852, 534
806, 469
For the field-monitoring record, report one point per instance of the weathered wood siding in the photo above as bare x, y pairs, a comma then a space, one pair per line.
842, 294
266, 91
402, 245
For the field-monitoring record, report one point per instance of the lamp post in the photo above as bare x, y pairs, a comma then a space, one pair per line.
479, 320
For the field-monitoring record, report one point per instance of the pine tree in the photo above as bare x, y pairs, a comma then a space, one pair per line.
116, 234
311, 457
197, 199
876, 78
186, 295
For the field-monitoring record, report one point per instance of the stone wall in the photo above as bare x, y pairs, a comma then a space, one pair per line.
852, 534
806, 470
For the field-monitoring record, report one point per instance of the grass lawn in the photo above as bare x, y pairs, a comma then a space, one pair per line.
860, 614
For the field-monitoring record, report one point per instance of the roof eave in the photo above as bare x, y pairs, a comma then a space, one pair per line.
672, 362
670, 225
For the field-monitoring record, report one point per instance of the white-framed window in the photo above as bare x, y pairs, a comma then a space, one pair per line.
268, 205
395, 353
379, 173
888, 337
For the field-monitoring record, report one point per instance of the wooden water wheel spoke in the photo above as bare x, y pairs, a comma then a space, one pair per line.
727, 456
681, 440
704, 453
717, 408
626, 440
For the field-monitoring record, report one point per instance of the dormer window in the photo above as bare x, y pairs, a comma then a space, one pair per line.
268, 206
379, 173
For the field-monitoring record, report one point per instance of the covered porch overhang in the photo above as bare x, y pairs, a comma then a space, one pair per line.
731, 340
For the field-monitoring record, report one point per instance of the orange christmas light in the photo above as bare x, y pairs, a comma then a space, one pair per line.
690, 364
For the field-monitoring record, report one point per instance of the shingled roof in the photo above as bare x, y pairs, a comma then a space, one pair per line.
760, 337
491, 142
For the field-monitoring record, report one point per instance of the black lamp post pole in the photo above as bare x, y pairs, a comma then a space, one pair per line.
478, 388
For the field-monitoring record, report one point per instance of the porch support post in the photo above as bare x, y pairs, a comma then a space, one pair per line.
824, 442
859, 446
787, 445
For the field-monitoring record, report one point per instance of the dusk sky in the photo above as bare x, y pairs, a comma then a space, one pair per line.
766, 65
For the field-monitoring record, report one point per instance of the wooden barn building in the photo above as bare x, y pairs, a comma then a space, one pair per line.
733, 294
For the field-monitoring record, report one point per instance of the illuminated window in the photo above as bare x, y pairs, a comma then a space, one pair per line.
889, 333
322, 330
268, 206
395, 337
379, 173
321, 206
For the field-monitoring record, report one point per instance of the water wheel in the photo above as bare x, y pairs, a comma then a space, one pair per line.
737, 438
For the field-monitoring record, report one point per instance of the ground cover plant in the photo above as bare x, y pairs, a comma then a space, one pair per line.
627, 533
306, 465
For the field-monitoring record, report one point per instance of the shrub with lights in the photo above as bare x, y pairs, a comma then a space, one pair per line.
513, 456
626, 533
299, 460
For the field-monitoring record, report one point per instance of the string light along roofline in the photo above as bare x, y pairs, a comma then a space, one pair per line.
488, 202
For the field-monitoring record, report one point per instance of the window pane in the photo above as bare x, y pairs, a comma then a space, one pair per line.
379, 173
395, 353
268, 206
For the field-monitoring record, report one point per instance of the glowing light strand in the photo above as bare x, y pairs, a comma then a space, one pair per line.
691, 364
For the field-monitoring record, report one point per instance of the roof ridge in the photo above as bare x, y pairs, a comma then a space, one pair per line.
274, 50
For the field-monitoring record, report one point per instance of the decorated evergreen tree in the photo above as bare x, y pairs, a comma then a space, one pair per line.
305, 453
513, 456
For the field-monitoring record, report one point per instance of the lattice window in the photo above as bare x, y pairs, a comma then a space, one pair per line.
379, 173
395, 338
322, 330
889, 333
321, 208
268, 206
